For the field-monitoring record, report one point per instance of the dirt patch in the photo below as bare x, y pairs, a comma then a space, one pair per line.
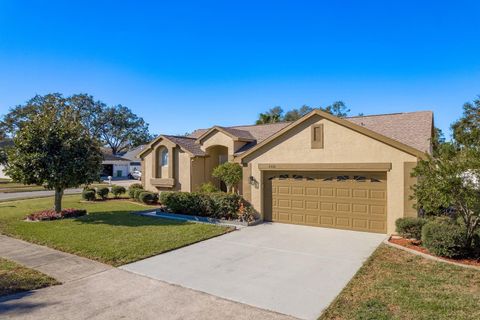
416, 245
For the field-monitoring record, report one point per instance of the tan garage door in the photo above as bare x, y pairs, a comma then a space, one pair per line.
354, 201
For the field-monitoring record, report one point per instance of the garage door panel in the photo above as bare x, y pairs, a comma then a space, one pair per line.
323, 201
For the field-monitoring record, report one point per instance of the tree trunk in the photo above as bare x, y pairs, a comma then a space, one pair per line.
58, 200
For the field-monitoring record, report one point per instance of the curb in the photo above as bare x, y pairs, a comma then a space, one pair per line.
197, 219
430, 257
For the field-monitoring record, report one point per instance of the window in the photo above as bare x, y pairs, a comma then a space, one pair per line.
164, 158
317, 136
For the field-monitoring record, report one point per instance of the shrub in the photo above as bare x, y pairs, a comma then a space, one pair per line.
148, 197
118, 191
89, 194
410, 227
217, 205
102, 192
208, 187
226, 205
53, 215
136, 193
185, 202
136, 186
230, 173
443, 238
131, 191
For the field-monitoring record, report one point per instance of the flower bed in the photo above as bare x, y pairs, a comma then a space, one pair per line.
52, 215
416, 245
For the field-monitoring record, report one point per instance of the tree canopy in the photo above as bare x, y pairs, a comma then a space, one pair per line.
449, 179
277, 114
55, 150
230, 173
117, 127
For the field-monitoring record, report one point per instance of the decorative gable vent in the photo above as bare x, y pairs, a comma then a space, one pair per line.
317, 136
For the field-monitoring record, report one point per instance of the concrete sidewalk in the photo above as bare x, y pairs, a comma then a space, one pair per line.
62, 266
92, 290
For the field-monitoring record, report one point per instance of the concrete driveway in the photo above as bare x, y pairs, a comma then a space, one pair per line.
294, 270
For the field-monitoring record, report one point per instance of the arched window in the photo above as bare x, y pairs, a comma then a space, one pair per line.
164, 157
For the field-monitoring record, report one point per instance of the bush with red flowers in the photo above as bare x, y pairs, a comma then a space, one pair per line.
52, 215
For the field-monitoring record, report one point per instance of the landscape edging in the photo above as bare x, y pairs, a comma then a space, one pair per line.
428, 256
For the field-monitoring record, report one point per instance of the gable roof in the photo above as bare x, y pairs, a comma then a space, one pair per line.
185, 143
412, 130
422, 124
257, 132
232, 132
133, 154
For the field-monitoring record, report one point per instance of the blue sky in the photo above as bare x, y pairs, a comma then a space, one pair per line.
184, 65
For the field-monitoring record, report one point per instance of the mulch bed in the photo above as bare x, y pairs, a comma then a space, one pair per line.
416, 245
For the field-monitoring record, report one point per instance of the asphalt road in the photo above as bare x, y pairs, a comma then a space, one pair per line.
34, 194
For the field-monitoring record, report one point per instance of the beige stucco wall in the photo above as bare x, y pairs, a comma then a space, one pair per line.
181, 172
341, 145
218, 138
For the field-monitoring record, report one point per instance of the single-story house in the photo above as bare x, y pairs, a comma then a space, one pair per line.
122, 164
347, 173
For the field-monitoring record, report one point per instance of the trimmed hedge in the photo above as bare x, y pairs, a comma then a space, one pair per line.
136, 193
102, 192
132, 189
148, 197
217, 205
410, 227
89, 194
118, 191
445, 239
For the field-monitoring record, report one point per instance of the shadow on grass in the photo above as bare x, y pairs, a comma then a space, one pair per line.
127, 219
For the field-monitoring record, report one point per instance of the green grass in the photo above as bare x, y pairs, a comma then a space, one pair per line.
395, 284
110, 233
16, 278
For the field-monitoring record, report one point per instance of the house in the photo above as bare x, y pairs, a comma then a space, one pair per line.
3, 145
122, 164
320, 170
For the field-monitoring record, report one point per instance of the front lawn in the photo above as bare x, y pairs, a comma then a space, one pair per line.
109, 233
394, 284
16, 278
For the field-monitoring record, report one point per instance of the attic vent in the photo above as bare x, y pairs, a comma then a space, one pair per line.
317, 136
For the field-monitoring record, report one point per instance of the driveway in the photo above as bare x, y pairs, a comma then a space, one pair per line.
290, 269
92, 290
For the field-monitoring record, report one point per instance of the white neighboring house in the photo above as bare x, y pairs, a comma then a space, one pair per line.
4, 143
135, 162
2, 174
121, 165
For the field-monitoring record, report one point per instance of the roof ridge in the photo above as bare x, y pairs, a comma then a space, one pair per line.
176, 136
389, 114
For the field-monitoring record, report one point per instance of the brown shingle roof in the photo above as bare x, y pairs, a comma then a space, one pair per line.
187, 143
411, 128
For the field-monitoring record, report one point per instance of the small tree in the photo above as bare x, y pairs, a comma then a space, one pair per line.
55, 150
450, 180
230, 173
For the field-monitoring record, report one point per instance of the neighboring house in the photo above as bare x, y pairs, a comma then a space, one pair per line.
320, 170
4, 144
121, 165
135, 162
